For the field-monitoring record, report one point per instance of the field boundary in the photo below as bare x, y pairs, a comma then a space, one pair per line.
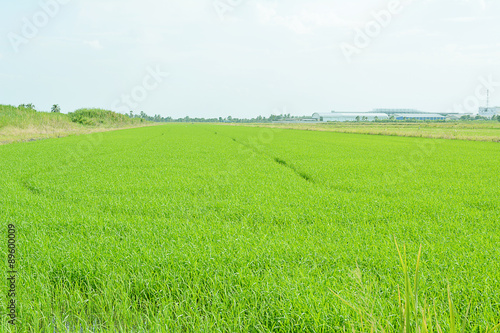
77, 132
357, 129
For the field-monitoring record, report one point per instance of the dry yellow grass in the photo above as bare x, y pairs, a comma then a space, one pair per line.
472, 131
34, 133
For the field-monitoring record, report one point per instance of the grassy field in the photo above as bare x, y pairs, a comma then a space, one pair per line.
208, 228
22, 124
460, 130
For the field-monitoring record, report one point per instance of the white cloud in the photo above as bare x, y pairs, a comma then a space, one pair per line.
275, 52
465, 19
95, 44
416, 32
305, 19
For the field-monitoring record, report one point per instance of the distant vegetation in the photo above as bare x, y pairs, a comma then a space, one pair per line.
97, 117
259, 119
56, 108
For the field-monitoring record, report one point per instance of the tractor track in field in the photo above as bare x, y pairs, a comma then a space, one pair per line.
278, 160
301, 174
30, 187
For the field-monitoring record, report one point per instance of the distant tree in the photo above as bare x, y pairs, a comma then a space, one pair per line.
56, 108
131, 114
376, 118
357, 118
364, 118
27, 106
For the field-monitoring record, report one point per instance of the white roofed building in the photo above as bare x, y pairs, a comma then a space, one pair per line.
489, 112
420, 116
349, 116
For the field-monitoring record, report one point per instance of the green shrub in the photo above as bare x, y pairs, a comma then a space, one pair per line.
94, 117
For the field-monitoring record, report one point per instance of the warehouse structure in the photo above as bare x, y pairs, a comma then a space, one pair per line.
396, 111
398, 114
489, 112
419, 116
349, 116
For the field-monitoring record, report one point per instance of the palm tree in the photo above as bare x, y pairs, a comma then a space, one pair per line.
56, 108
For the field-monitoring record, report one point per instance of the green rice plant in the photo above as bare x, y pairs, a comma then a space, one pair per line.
410, 308
413, 317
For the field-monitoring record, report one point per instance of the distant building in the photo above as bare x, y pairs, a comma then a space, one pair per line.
349, 116
419, 116
399, 114
396, 111
489, 112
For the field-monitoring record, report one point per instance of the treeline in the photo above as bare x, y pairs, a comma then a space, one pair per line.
96, 116
159, 119
285, 118
478, 117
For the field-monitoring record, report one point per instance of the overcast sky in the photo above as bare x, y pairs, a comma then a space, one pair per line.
245, 58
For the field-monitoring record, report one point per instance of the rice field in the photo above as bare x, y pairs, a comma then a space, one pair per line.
207, 228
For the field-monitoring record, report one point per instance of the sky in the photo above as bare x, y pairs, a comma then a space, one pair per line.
245, 58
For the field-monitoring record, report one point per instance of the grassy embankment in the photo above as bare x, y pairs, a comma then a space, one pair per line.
460, 130
22, 124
